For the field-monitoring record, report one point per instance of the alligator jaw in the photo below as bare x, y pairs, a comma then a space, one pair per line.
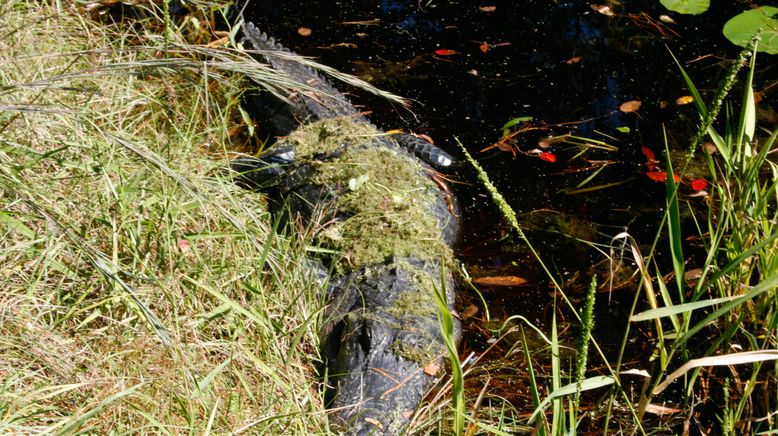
384, 337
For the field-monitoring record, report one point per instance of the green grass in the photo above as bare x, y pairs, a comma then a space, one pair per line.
142, 291
733, 304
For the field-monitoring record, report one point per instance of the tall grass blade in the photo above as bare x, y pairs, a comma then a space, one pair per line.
588, 384
766, 285
747, 124
722, 360
457, 377
72, 425
664, 312
674, 223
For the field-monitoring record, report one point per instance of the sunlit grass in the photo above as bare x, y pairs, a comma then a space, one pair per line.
142, 290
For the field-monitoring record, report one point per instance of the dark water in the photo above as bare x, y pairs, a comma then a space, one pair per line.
562, 63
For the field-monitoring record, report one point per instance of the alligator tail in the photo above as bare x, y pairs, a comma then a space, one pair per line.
320, 100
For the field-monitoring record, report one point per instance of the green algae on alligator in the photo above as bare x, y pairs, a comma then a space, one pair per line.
386, 230
383, 195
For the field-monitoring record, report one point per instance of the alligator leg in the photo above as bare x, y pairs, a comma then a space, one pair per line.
264, 171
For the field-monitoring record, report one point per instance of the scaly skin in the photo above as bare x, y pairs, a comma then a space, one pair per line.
323, 101
393, 228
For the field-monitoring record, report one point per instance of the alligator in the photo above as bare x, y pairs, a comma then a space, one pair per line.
389, 229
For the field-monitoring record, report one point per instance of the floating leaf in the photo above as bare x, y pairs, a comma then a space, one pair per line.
487, 8
304, 31
484, 47
650, 158
699, 184
692, 7
630, 106
648, 153
573, 60
603, 9
445, 52
666, 19
742, 27
547, 156
500, 281
624, 129
661, 176
513, 122
686, 99
656, 409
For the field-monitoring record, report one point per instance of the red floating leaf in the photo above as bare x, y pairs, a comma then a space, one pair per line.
548, 157
484, 47
650, 158
699, 184
445, 52
661, 176
573, 60
648, 153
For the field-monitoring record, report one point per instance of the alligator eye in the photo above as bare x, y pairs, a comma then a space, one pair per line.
287, 156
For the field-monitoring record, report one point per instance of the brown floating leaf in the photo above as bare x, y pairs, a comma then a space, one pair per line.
603, 9
573, 60
304, 31
487, 8
686, 99
484, 47
630, 106
500, 281
666, 19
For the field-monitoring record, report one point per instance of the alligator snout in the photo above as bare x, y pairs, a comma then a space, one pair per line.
385, 338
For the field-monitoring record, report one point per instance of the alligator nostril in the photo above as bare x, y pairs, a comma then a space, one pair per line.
364, 339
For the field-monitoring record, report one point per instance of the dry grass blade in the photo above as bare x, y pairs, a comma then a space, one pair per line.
723, 360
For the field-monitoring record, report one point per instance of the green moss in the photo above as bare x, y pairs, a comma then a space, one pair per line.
328, 136
415, 304
380, 212
422, 353
382, 198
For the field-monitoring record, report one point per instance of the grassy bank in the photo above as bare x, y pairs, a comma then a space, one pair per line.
141, 290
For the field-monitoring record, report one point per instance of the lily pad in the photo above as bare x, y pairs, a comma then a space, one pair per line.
742, 27
692, 7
